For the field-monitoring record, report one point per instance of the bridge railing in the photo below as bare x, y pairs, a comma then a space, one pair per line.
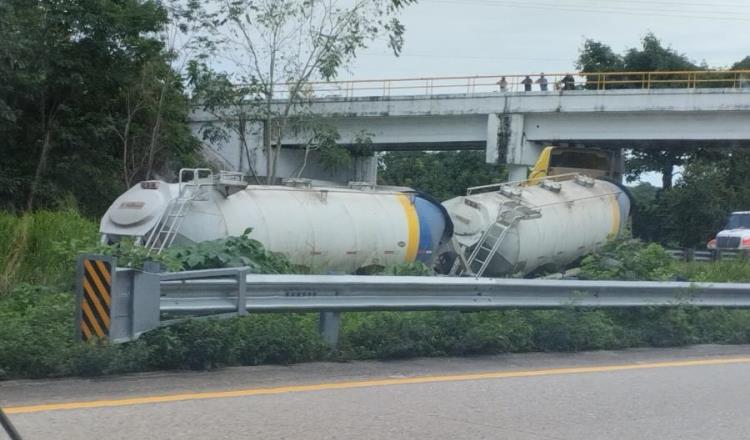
556, 82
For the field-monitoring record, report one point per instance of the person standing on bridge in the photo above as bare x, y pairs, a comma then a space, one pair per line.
503, 83
527, 82
542, 81
569, 83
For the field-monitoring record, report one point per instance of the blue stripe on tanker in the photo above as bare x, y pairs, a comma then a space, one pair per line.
431, 227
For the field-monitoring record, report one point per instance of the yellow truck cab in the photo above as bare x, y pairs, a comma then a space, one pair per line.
554, 161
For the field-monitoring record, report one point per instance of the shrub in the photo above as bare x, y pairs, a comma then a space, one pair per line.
37, 313
276, 339
36, 332
628, 259
231, 252
573, 329
193, 344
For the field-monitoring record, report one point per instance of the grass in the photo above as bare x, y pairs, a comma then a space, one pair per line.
724, 271
36, 248
37, 315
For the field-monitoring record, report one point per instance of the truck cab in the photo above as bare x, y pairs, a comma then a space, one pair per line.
594, 162
736, 233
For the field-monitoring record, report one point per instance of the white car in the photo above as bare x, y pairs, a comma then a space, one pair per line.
735, 235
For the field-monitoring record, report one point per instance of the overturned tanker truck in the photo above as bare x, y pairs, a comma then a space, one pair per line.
496, 230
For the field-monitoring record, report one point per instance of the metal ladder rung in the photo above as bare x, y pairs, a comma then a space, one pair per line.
170, 222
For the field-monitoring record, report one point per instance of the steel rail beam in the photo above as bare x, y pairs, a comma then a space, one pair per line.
308, 293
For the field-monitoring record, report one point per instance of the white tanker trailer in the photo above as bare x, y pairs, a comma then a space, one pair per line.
506, 229
515, 229
328, 229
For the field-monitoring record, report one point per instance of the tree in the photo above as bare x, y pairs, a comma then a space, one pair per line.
712, 185
646, 216
443, 175
69, 73
698, 205
150, 121
276, 48
596, 56
743, 64
652, 56
638, 162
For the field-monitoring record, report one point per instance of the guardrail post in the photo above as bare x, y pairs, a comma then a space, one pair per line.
689, 254
242, 292
717, 255
97, 305
145, 293
329, 326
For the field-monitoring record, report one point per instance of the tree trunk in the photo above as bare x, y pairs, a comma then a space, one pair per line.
40, 166
304, 161
277, 154
125, 152
666, 176
267, 148
244, 147
155, 131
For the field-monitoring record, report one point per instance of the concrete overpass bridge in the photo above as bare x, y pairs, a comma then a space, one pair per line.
614, 110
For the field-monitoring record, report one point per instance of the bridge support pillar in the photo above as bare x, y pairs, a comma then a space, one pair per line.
506, 137
365, 169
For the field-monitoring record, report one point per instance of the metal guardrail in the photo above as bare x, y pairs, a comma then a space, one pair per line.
708, 255
141, 299
731, 79
340, 293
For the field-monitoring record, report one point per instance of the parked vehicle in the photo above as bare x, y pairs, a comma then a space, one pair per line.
736, 233
594, 162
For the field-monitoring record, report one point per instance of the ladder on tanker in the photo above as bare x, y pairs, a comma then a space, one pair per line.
165, 232
509, 215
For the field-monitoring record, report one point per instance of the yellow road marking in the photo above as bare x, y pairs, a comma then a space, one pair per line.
366, 384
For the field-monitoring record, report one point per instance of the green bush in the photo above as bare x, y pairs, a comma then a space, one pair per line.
628, 259
573, 329
36, 333
231, 252
37, 339
251, 340
276, 339
193, 344
37, 324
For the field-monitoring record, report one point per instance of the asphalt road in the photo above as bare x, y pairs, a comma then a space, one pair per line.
692, 393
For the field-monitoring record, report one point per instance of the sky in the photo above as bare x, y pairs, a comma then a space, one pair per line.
491, 37
496, 37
